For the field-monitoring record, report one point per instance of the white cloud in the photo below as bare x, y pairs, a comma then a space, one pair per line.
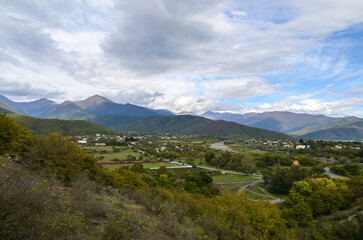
239, 13
306, 103
238, 88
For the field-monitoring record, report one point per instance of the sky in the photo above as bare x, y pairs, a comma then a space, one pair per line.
187, 56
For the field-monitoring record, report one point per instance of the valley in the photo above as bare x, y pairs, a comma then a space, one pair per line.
144, 163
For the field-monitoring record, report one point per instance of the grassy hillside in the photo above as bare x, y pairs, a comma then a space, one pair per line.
199, 126
66, 127
111, 121
352, 131
7, 106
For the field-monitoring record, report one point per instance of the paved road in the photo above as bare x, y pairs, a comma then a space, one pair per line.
331, 174
249, 184
245, 188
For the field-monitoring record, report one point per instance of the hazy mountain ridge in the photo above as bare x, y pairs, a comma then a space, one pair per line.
96, 104
353, 131
195, 125
33, 108
295, 124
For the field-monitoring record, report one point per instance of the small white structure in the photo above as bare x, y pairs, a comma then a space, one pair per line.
100, 144
162, 148
302, 146
82, 141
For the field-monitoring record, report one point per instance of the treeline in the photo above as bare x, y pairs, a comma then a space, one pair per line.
346, 170
249, 162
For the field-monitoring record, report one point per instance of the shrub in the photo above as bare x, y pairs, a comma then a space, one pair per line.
57, 155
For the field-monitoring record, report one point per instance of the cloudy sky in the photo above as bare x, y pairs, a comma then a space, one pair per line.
190, 55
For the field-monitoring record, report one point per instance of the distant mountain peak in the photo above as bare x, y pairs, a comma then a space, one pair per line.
185, 113
97, 98
92, 101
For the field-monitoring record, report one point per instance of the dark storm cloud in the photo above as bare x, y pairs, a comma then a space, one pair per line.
157, 36
20, 39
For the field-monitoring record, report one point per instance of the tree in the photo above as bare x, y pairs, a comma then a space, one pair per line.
13, 138
137, 167
209, 155
131, 158
247, 163
301, 212
266, 220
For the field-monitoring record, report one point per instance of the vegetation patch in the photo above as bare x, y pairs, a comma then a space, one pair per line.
233, 178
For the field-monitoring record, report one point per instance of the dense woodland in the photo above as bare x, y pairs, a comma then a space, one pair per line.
52, 189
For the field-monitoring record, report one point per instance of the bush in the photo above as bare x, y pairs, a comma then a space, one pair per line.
57, 155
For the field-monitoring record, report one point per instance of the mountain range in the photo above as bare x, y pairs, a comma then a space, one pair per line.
129, 117
299, 125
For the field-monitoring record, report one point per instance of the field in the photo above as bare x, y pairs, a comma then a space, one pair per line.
233, 188
110, 155
180, 172
234, 178
261, 185
254, 196
146, 165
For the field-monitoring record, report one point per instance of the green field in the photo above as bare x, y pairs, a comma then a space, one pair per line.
276, 195
233, 188
254, 196
181, 172
108, 157
257, 189
234, 178
146, 165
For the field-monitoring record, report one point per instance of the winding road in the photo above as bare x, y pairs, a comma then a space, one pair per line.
331, 174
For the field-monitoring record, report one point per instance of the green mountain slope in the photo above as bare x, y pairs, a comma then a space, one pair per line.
66, 111
66, 127
6, 104
112, 121
353, 131
187, 124
4, 110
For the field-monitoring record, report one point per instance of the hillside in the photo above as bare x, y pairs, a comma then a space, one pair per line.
4, 110
66, 127
7, 104
66, 111
187, 124
110, 121
352, 131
